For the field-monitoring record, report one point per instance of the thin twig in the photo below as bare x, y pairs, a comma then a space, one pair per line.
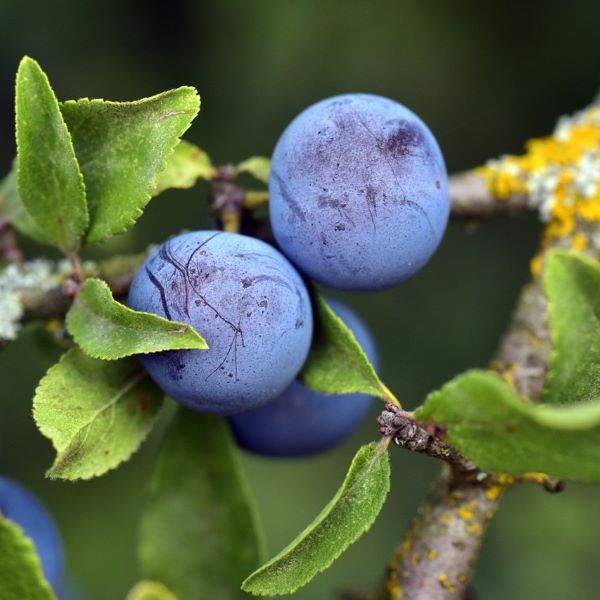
10, 251
471, 199
118, 272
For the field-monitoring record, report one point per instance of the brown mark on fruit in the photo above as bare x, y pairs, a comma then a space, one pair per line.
338, 205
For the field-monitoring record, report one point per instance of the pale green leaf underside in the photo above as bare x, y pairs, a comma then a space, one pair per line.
12, 209
121, 147
50, 183
96, 413
500, 431
257, 166
21, 576
184, 167
336, 363
200, 534
572, 283
104, 328
350, 513
150, 590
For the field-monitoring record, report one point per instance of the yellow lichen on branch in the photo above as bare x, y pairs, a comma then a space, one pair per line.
560, 176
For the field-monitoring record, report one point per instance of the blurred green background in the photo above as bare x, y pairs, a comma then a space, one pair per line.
485, 77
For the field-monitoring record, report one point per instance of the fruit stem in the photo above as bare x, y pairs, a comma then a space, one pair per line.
231, 221
253, 198
388, 395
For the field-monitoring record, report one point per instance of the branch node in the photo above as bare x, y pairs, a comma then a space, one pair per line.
423, 438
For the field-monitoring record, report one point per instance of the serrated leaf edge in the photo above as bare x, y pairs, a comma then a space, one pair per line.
28, 59
92, 473
185, 327
147, 195
325, 512
26, 543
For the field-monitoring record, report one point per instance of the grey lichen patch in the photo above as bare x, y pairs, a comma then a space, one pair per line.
11, 312
39, 276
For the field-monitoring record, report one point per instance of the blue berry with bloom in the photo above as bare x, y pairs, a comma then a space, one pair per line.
247, 301
358, 192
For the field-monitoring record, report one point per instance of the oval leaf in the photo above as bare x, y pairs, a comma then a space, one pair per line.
107, 329
200, 534
184, 167
336, 363
21, 575
95, 412
150, 590
500, 431
50, 183
121, 146
257, 166
349, 514
572, 283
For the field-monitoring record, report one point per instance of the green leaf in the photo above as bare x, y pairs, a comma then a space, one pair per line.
499, 430
121, 147
200, 534
336, 363
184, 167
21, 576
572, 283
107, 329
49, 181
257, 166
349, 514
12, 209
96, 413
150, 590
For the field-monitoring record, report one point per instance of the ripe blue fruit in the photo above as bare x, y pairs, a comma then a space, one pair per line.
249, 304
23, 508
302, 421
358, 192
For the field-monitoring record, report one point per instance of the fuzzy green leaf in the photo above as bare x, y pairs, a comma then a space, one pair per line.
257, 166
572, 283
12, 209
350, 513
107, 329
95, 412
21, 576
184, 167
336, 363
49, 181
499, 430
121, 147
150, 590
200, 534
